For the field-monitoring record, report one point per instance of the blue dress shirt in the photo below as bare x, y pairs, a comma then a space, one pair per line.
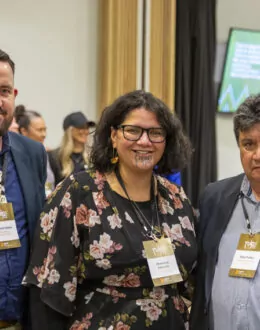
13, 262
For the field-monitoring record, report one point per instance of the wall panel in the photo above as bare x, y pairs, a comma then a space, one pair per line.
162, 49
118, 49
126, 37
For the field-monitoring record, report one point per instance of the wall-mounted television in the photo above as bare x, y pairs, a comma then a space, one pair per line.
241, 71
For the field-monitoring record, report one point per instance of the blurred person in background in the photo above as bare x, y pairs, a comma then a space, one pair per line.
73, 153
14, 127
31, 124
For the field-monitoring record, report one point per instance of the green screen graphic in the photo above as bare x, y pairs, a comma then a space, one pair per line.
241, 76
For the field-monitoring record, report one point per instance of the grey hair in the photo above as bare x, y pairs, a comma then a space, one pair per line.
247, 115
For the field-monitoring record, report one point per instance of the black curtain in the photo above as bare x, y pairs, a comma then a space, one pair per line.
195, 92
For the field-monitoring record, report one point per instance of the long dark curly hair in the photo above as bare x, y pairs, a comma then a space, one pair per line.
178, 148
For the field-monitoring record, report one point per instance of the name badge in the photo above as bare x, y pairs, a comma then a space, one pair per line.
247, 256
162, 262
9, 238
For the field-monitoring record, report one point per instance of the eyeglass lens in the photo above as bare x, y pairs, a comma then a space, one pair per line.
134, 133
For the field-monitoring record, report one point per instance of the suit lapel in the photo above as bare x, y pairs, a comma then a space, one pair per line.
22, 164
220, 220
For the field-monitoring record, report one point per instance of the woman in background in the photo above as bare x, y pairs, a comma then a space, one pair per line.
72, 155
14, 127
31, 124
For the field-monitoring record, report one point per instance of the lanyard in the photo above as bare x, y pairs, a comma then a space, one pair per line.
248, 225
4, 162
153, 233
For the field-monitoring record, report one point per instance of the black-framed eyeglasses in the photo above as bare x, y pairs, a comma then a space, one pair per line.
134, 133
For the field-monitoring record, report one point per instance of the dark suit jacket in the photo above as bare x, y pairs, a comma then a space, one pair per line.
30, 162
216, 207
55, 165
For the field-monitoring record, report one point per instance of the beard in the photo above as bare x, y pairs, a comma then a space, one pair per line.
6, 122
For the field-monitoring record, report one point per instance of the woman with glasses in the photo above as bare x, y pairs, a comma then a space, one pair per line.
115, 245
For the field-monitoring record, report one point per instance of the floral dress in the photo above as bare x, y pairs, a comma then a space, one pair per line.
89, 262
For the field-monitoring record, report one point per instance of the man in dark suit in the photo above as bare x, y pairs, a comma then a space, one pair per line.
227, 291
22, 179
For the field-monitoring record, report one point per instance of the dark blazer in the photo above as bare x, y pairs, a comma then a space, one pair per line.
216, 207
55, 165
30, 161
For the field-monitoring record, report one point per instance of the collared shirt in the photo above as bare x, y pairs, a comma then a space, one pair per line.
235, 301
13, 262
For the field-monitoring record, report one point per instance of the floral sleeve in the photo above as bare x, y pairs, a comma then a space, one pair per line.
55, 254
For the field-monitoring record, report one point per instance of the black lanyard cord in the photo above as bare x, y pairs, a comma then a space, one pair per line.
4, 164
140, 216
248, 225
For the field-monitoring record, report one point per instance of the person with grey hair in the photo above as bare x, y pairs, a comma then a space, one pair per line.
227, 295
